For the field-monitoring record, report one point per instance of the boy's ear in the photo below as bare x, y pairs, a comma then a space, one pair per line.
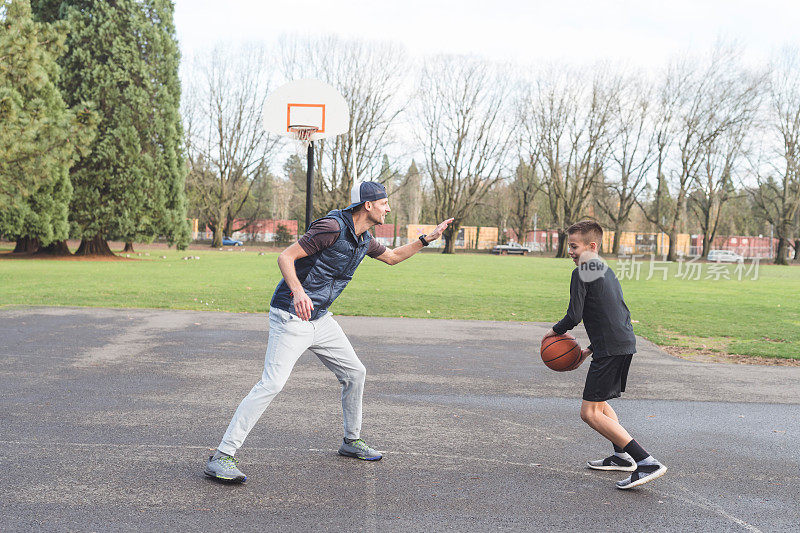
594, 246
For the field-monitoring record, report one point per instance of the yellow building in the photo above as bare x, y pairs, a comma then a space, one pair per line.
469, 237
478, 238
631, 243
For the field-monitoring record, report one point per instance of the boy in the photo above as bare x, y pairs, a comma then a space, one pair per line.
596, 298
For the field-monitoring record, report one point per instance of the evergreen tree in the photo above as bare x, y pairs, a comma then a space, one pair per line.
387, 174
166, 131
406, 201
40, 137
257, 204
412, 195
295, 171
124, 57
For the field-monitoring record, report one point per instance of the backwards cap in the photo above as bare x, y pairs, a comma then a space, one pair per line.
366, 191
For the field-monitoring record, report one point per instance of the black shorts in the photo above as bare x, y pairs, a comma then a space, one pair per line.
606, 378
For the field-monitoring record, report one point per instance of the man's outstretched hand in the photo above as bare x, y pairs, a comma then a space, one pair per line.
435, 234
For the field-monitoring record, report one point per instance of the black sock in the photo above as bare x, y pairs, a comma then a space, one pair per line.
636, 451
617, 449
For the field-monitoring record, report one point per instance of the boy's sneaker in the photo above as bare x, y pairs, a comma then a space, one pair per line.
641, 475
359, 449
614, 462
224, 468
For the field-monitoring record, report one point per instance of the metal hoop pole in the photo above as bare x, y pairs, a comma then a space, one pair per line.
310, 185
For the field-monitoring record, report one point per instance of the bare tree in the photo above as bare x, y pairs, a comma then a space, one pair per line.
258, 205
715, 176
523, 189
662, 203
369, 76
778, 191
694, 104
796, 232
566, 123
503, 200
281, 199
632, 155
462, 128
226, 141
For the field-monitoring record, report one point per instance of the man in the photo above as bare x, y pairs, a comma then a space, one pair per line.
315, 271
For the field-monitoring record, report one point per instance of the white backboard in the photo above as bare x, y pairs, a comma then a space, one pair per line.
306, 102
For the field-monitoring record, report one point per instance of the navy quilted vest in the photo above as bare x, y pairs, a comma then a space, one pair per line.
325, 274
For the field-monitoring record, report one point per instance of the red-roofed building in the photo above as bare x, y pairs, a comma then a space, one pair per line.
384, 234
748, 246
259, 230
262, 230
536, 240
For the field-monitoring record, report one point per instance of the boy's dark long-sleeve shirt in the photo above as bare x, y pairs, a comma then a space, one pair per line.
605, 316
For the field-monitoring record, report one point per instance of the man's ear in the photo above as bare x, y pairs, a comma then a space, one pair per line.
593, 246
368, 205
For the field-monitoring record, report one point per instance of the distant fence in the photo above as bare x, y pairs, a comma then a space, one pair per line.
487, 237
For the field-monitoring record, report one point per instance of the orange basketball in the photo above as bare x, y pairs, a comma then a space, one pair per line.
561, 353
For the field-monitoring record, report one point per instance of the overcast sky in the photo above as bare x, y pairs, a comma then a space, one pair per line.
641, 33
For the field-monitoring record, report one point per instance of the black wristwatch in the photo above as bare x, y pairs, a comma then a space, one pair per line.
422, 239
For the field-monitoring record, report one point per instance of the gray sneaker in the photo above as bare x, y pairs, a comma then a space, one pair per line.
614, 462
224, 468
643, 474
359, 449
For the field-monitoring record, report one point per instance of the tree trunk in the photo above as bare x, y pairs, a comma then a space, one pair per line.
780, 255
216, 241
219, 229
450, 235
128, 247
97, 245
562, 244
26, 245
672, 253
797, 249
56, 248
617, 240
394, 232
706, 246
228, 230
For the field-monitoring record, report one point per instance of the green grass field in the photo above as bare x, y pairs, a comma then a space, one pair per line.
750, 317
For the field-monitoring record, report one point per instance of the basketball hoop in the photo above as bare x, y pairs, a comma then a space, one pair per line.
306, 110
303, 134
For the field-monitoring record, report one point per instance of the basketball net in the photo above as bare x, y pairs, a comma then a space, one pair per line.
303, 135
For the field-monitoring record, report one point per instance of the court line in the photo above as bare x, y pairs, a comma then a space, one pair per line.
707, 505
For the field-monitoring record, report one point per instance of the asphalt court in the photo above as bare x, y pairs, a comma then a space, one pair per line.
108, 415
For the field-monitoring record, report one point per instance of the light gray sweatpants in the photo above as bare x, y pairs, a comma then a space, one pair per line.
289, 337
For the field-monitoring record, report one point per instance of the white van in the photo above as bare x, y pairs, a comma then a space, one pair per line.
725, 256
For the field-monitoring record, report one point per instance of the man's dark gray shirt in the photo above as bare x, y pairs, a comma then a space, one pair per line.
605, 316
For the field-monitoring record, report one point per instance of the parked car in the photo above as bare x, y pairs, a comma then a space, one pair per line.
511, 248
227, 241
725, 256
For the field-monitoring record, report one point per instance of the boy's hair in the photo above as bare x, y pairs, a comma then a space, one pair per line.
590, 231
